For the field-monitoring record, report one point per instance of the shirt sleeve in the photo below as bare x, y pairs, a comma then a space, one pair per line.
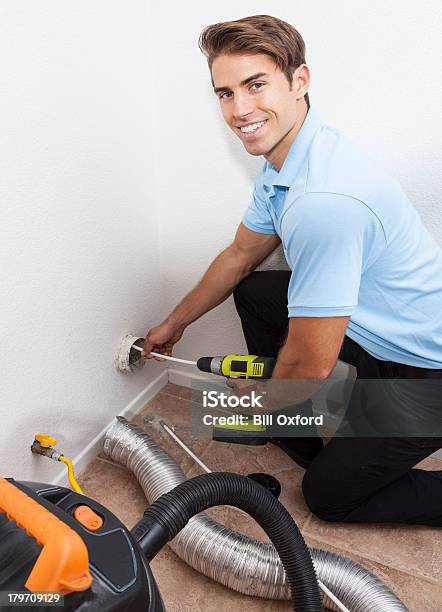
332, 240
257, 217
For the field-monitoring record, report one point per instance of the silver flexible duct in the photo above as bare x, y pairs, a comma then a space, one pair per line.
237, 561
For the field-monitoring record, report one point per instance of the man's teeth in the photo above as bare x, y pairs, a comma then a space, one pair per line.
252, 127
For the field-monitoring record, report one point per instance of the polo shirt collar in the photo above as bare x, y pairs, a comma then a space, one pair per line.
296, 154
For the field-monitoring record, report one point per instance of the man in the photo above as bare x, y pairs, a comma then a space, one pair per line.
365, 282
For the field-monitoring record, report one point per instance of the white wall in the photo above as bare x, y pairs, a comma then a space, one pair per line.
79, 236
375, 75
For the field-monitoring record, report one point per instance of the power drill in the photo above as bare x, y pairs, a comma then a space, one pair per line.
229, 366
238, 366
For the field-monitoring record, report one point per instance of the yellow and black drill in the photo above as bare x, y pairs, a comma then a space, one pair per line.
238, 366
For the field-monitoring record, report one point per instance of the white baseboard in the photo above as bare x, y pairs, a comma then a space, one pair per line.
184, 377
95, 446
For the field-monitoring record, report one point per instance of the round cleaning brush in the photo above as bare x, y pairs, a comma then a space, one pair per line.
128, 359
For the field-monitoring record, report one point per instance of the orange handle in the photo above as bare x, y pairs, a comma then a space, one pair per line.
63, 564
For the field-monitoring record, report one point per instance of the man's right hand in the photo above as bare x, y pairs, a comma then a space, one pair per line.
161, 339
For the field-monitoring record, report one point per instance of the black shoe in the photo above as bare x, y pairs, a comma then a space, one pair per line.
238, 437
301, 450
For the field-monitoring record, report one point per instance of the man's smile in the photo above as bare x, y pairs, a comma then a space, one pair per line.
251, 128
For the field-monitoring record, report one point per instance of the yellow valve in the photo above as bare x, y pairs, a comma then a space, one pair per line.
45, 440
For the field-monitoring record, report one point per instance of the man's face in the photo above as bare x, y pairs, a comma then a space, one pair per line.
259, 104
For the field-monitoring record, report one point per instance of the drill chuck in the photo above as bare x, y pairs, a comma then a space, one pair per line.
204, 364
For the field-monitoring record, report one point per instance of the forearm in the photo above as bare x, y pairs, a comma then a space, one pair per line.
293, 382
295, 379
300, 366
222, 276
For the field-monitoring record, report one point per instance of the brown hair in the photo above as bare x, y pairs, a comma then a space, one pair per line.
257, 34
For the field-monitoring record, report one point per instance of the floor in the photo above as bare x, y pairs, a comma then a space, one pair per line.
407, 559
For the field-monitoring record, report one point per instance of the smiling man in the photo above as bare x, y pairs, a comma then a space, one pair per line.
365, 283
260, 107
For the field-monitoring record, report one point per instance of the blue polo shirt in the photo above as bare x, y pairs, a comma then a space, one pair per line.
355, 244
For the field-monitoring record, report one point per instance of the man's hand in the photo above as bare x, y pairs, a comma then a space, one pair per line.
161, 339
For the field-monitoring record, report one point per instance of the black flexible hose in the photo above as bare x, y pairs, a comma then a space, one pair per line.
165, 518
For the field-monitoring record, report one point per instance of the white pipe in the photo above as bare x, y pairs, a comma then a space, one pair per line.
178, 440
138, 348
334, 599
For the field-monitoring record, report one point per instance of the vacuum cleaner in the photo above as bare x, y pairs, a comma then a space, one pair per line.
57, 543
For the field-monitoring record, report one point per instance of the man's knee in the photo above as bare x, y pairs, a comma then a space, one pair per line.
322, 501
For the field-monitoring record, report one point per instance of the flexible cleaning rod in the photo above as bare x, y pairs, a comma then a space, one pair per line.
138, 348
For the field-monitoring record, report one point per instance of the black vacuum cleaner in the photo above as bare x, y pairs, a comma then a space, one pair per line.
99, 565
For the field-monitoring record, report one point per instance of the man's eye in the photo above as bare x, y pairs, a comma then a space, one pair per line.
256, 86
225, 95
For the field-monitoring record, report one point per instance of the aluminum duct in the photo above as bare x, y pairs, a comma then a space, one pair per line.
237, 561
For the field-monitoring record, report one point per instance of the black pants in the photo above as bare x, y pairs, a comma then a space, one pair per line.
354, 479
